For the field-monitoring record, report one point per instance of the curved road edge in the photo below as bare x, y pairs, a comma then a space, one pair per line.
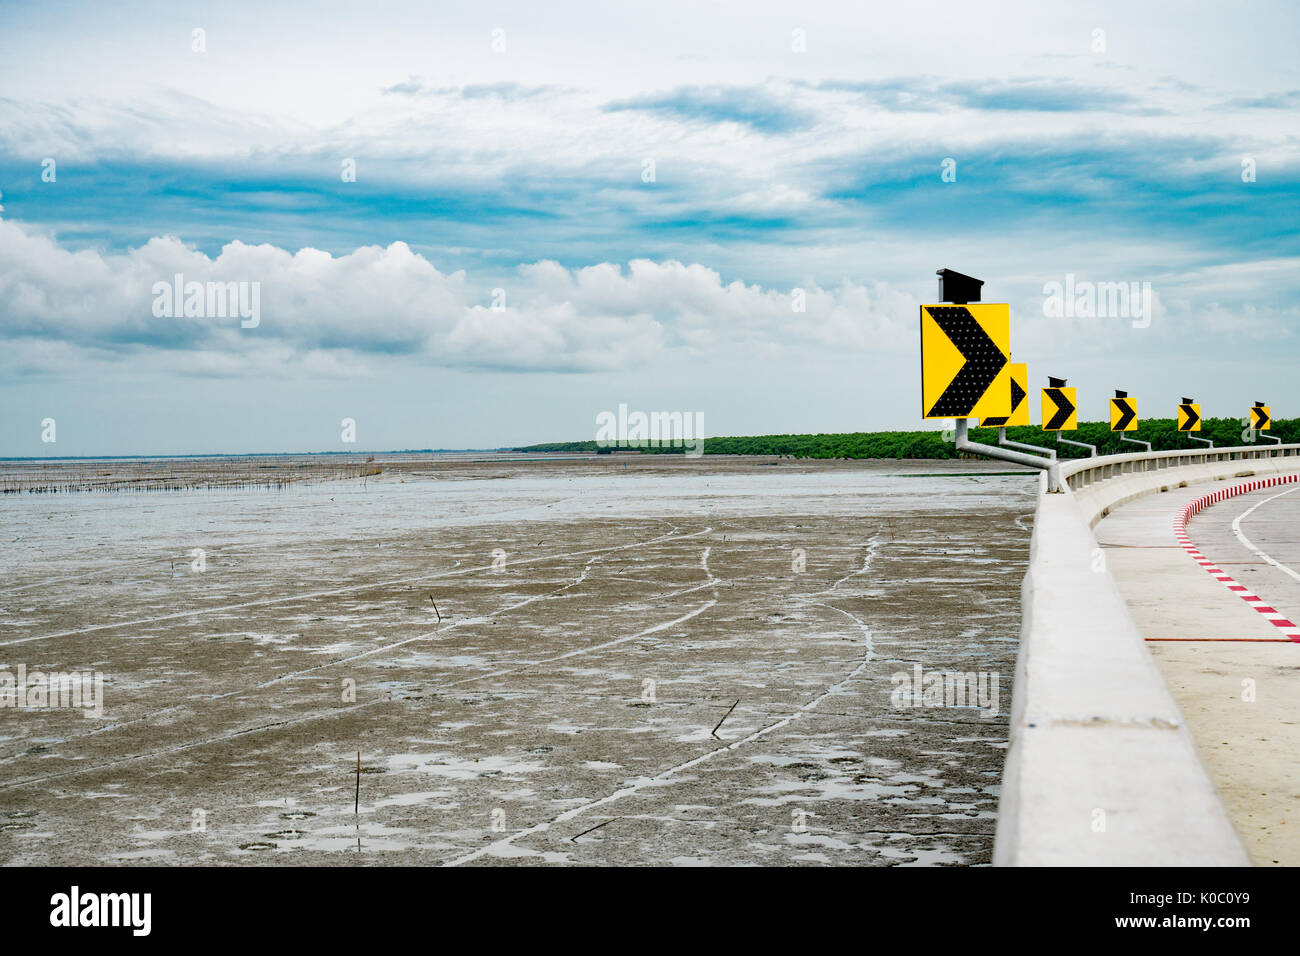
1101, 769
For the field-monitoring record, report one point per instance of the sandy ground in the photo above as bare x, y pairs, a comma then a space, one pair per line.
558, 708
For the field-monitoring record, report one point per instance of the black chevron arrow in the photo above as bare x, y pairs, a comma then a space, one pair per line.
983, 361
1017, 396
1192, 417
1064, 409
1261, 415
1127, 412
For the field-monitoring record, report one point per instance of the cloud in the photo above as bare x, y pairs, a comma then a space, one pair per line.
511, 92
484, 176
759, 108
1049, 96
329, 313
488, 175
503, 91
1122, 184
1032, 94
1288, 100
409, 87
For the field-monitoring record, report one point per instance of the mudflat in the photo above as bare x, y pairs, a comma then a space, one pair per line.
618, 660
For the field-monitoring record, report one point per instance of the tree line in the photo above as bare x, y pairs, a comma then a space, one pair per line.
1162, 433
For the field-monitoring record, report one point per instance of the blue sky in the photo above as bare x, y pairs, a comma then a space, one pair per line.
1114, 156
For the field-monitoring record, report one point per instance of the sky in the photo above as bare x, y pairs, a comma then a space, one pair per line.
481, 225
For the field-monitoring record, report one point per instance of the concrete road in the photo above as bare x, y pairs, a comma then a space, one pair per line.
1234, 673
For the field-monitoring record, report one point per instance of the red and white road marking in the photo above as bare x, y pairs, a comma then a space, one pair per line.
1279, 620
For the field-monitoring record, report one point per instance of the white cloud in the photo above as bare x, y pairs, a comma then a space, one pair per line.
325, 314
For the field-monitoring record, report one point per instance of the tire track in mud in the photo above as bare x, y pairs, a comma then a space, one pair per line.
242, 545
495, 848
316, 667
337, 712
266, 602
711, 582
642, 782
137, 563
375, 650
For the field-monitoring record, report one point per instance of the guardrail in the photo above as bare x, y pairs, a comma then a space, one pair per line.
1101, 769
1079, 473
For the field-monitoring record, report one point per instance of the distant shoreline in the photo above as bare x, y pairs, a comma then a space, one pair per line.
205, 456
883, 445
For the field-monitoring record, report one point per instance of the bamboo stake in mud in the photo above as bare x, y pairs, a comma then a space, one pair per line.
356, 805
714, 732
435, 608
574, 838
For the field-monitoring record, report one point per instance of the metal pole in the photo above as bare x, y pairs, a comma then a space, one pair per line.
1003, 440
1272, 438
1092, 449
992, 451
1135, 441
1208, 441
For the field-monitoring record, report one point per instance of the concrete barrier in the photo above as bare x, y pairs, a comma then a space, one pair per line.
1100, 485
1101, 769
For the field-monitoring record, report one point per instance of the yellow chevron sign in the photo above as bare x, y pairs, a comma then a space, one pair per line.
965, 359
1261, 418
1123, 414
1189, 417
1060, 409
1019, 382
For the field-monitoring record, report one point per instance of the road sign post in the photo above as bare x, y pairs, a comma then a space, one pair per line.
1060, 406
1061, 411
992, 451
1004, 440
1092, 449
1018, 383
1019, 377
1261, 420
1123, 412
966, 369
1189, 420
965, 354
1123, 418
